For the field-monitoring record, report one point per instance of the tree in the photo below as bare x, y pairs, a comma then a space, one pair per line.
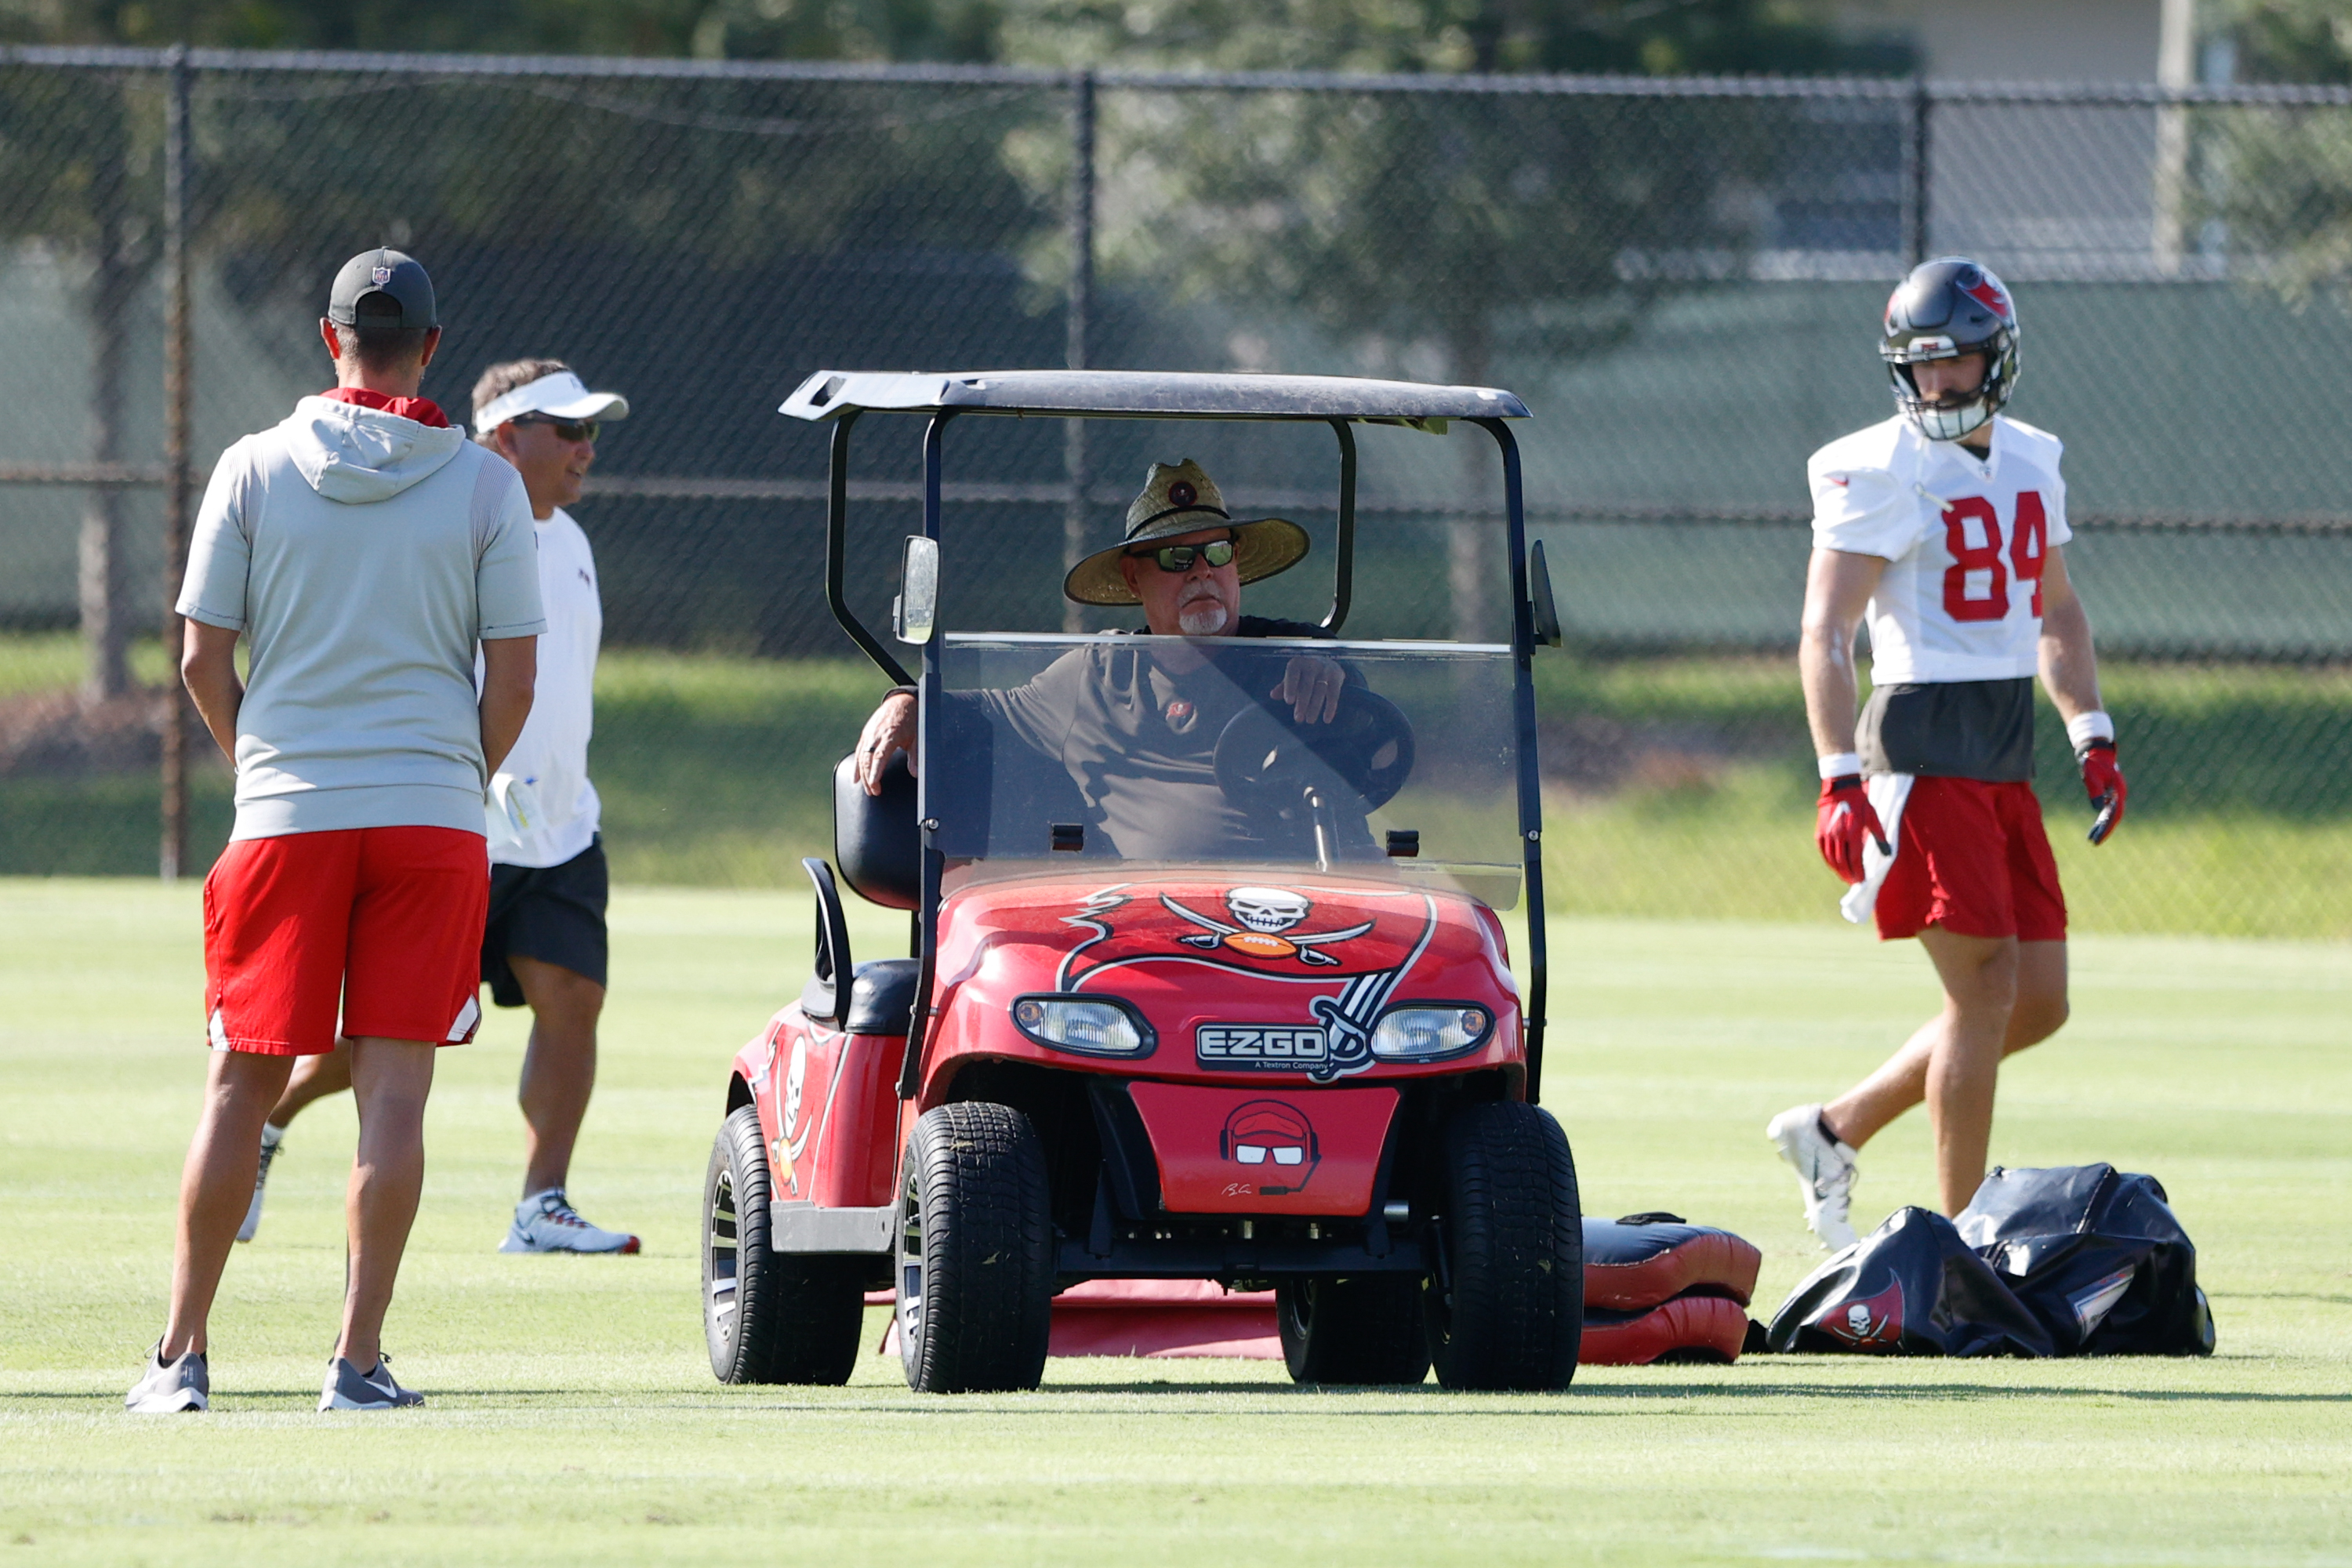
1437, 218
2275, 183
2288, 40
79, 173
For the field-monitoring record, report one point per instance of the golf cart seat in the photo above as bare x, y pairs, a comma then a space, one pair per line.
882, 998
875, 840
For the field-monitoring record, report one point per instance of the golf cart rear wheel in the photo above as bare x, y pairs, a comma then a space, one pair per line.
1506, 1306
975, 1256
1365, 1328
767, 1317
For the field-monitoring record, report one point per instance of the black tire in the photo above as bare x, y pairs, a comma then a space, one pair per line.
769, 1317
1365, 1329
975, 1252
1506, 1306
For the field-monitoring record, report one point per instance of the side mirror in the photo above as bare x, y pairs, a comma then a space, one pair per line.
1547, 609
916, 612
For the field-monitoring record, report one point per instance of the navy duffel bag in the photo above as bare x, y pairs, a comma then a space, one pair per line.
2073, 1260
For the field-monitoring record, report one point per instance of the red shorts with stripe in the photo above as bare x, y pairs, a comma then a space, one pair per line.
1972, 857
385, 921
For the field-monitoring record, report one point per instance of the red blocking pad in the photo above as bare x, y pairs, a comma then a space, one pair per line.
1706, 1329
1631, 1267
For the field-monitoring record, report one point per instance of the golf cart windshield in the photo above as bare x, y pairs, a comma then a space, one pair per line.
1179, 751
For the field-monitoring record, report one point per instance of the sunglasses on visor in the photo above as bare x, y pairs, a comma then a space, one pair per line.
565, 429
1179, 557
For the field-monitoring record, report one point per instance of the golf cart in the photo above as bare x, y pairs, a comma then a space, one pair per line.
1282, 1048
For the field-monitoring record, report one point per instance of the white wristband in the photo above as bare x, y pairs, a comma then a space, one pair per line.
1838, 764
2084, 728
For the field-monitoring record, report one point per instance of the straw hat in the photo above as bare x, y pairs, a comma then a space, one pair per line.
1178, 499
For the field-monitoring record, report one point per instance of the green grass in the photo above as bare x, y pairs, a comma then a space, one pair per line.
52, 661
714, 772
573, 1418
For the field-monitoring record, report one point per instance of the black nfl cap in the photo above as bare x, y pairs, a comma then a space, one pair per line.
393, 274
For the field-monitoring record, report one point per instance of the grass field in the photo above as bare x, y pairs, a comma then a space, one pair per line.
713, 773
573, 1416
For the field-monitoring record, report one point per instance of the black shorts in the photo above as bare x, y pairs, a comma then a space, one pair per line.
553, 913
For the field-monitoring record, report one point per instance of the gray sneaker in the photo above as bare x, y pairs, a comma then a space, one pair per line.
168, 1387
546, 1222
349, 1388
261, 1179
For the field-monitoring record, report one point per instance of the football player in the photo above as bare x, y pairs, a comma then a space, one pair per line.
1945, 527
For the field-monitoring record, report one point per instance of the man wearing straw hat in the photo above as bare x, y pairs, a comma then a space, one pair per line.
1135, 729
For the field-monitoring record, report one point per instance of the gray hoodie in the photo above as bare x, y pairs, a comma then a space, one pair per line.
364, 555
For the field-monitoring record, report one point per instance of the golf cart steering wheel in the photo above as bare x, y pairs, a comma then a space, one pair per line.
1268, 762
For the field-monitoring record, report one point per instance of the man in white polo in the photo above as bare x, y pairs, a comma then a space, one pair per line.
545, 940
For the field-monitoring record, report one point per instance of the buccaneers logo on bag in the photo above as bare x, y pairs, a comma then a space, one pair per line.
1872, 1324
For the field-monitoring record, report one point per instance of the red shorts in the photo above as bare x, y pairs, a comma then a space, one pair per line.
1971, 857
386, 919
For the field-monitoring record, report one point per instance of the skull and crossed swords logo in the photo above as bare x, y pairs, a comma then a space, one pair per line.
1268, 918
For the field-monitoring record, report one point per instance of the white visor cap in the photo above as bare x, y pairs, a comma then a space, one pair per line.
563, 396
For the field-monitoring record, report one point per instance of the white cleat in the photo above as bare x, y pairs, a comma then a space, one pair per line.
260, 1180
1825, 1172
169, 1387
546, 1222
349, 1388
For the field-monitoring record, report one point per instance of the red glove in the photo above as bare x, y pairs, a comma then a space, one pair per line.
2104, 781
1844, 816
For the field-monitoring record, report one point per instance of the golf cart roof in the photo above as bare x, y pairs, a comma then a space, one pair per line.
1147, 394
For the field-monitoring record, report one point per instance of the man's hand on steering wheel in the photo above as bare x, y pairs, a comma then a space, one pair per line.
1312, 686
891, 729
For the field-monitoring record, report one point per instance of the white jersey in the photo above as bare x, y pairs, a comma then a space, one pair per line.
1965, 538
552, 754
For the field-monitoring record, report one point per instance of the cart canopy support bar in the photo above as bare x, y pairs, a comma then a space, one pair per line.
1147, 394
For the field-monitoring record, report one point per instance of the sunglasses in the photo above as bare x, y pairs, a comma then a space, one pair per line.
1179, 557
565, 429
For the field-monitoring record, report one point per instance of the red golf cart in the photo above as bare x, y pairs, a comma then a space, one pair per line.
1276, 1044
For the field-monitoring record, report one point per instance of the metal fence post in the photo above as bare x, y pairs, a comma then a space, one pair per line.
1081, 311
1914, 186
177, 479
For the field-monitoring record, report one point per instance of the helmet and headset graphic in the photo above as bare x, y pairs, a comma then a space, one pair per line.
1272, 1138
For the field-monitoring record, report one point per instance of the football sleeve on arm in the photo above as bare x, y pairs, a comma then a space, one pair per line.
220, 552
506, 557
1862, 512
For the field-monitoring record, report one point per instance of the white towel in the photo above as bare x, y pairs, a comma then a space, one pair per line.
1887, 793
511, 811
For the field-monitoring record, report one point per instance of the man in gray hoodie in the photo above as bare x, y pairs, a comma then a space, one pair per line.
363, 548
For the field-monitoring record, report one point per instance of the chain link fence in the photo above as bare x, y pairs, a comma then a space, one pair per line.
1683, 278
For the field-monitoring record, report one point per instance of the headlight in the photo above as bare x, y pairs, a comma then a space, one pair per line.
1425, 1034
1089, 1025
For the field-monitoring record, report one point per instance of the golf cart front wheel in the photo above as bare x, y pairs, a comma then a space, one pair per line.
976, 1255
1506, 1306
1364, 1329
767, 1317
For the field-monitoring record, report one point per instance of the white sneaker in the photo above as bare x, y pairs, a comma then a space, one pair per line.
260, 1179
349, 1388
1825, 1172
168, 1387
546, 1222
